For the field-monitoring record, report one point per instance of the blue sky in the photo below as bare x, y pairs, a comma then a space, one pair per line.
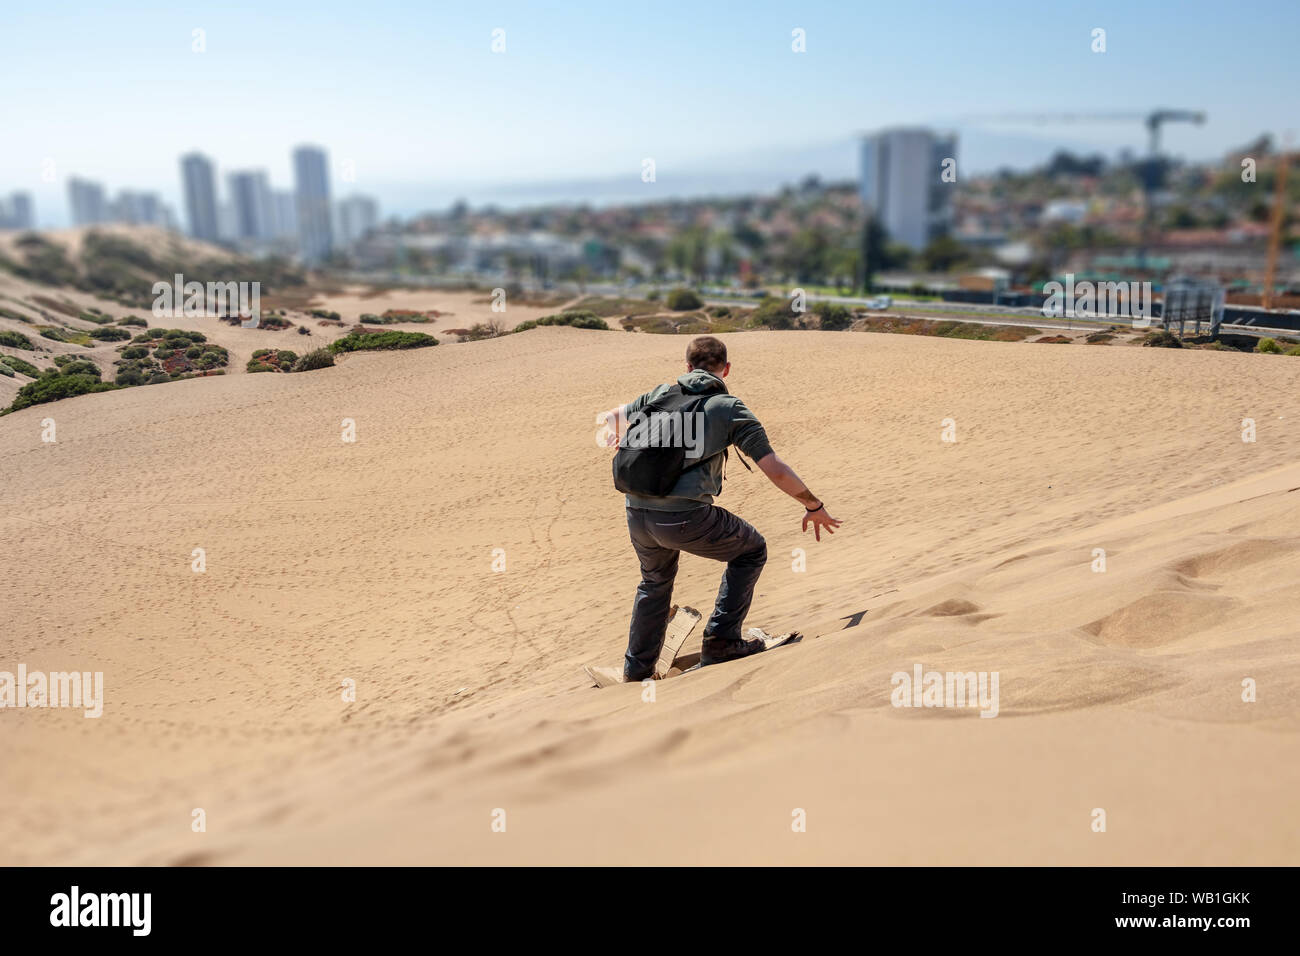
412, 95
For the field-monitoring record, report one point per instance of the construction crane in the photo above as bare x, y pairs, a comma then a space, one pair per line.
1275, 227
1153, 120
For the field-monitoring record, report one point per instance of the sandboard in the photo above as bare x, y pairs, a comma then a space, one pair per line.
604, 676
770, 641
680, 625
679, 629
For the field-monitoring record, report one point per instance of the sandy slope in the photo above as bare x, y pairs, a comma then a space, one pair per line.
373, 561
159, 242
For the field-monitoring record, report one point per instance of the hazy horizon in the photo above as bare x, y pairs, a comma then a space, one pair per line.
832, 162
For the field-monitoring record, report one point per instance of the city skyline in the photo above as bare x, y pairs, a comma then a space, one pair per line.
248, 212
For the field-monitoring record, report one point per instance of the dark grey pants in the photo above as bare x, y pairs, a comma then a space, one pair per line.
659, 538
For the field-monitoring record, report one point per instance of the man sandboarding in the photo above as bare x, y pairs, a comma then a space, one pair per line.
673, 444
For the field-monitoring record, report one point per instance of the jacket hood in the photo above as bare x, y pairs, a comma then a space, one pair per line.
699, 382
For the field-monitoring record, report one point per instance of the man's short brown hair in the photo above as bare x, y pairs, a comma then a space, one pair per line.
706, 352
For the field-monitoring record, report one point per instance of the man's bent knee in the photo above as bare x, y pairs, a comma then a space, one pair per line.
755, 556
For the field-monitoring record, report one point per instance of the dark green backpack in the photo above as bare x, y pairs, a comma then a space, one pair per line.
648, 463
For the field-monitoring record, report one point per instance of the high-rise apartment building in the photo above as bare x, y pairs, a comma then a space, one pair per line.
250, 195
200, 187
86, 198
311, 186
284, 219
16, 212
903, 183
357, 215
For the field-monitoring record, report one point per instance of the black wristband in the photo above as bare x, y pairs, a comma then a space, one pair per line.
815, 510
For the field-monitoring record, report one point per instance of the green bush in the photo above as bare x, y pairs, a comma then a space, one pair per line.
16, 340
110, 334
683, 300
210, 360
94, 315
319, 358
1270, 346
134, 352
775, 312
1162, 339
1295, 350
132, 320
366, 341
834, 317
81, 367
70, 336
51, 388
171, 338
6, 370
271, 360
576, 319
19, 365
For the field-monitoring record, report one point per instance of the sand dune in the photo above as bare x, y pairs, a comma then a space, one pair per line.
27, 306
154, 239
373, 561
460, 308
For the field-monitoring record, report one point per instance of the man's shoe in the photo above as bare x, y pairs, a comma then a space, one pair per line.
716, 650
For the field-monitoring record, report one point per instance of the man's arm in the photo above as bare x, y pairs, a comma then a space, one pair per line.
610, 426
783, 476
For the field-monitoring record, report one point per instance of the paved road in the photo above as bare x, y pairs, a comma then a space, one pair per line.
997, 314
964, 311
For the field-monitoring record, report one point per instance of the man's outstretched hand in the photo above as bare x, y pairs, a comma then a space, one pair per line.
783, 476
821, 518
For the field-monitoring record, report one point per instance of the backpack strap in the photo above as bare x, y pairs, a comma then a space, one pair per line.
740, 455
